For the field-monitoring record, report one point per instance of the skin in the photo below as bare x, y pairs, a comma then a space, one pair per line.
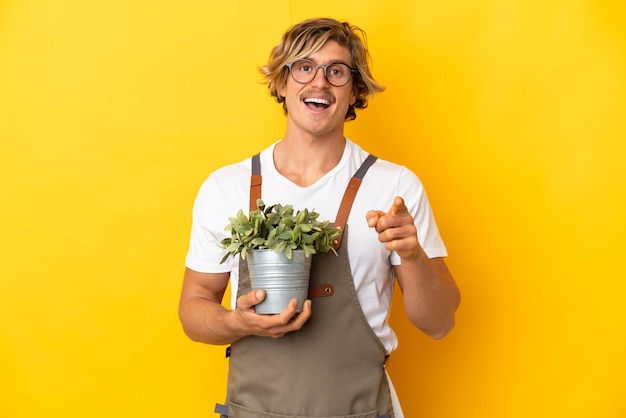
312, 145
429, 292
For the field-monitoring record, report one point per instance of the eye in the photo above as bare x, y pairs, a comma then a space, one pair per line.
303, 66
336, 71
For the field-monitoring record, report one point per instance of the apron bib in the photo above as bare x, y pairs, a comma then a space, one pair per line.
333, 367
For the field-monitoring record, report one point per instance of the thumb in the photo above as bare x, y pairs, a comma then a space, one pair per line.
259, 295
398, 207
250, 299
372, 217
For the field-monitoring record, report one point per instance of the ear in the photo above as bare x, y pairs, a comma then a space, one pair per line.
353, 97
282, 90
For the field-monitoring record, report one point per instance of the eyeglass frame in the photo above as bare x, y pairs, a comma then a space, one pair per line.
323, 67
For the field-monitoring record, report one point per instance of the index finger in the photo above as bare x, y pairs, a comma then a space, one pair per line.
398, 207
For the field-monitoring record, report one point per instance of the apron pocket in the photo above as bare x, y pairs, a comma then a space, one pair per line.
238, 411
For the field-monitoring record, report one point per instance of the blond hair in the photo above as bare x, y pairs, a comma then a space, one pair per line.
307, 37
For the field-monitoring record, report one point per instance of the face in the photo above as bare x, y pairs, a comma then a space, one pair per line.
318, 108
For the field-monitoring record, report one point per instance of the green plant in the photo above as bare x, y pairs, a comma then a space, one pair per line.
278, 229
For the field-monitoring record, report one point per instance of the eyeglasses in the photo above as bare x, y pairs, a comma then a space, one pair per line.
304, 71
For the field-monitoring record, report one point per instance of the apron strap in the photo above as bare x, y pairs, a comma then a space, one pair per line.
348, 198
255, 182
222, 410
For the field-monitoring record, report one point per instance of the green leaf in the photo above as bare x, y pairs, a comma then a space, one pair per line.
301, 216
286, 235
310, 239
233, 247
285, 211
306, 227
256, 242
280, 247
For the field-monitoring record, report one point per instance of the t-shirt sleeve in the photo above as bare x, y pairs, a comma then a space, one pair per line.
207, 231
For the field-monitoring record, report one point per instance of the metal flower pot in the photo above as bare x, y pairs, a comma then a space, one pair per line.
282, 279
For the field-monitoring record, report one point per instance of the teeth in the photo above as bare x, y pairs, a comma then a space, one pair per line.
316, 100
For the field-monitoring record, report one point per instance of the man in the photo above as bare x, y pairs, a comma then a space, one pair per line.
328, 360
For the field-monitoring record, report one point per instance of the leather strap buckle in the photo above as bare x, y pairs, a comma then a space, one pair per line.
321, 291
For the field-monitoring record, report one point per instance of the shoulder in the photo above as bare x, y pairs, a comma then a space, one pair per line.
231, 171
382, 166
385, 180
233, 176
229, 186
225, 187
385, 173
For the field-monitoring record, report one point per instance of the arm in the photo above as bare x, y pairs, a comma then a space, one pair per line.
430, 294
204, 319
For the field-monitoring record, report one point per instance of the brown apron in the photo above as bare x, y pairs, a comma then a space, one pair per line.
333, 367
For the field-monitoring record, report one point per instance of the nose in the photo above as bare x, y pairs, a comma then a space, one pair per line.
322, 80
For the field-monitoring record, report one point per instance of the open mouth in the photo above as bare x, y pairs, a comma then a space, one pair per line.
317, 103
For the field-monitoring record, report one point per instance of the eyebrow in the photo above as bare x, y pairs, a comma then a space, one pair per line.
330, 63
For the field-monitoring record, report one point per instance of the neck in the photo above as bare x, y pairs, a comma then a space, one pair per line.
304, 160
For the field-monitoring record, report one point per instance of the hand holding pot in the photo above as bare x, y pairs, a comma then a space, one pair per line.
274, 326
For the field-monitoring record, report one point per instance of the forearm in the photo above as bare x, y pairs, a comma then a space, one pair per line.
201, 313
430, 294
204, 319
208, 322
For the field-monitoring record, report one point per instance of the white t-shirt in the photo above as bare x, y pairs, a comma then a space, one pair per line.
228, 189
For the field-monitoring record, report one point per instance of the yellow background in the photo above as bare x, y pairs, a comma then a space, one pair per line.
112, 113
